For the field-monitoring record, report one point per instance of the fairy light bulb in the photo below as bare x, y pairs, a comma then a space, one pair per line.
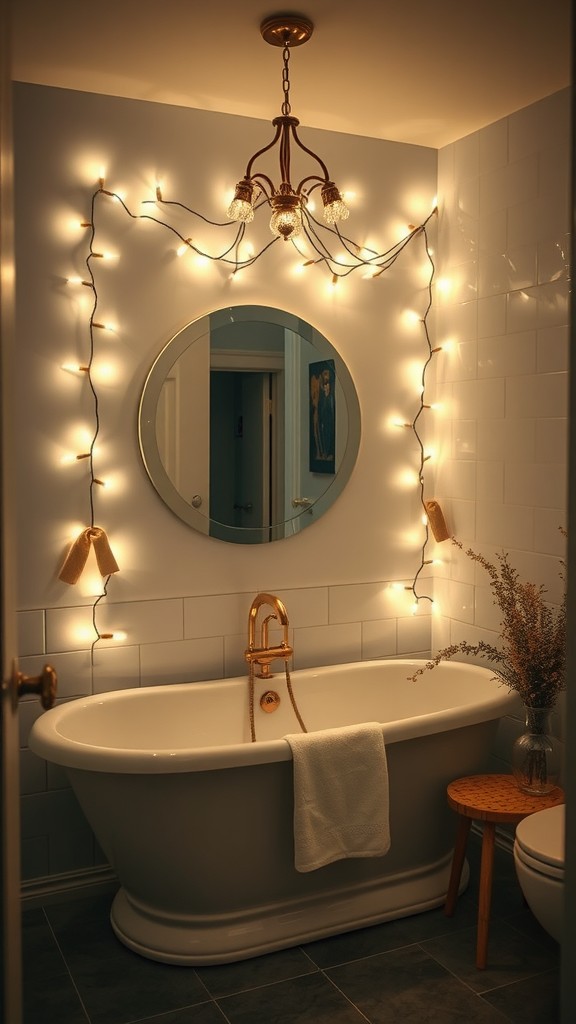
184, 247
75, 368
75, 280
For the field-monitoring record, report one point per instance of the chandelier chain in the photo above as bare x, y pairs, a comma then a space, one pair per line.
286, 108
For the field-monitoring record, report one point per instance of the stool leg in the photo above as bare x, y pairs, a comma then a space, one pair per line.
457, 864
485, 895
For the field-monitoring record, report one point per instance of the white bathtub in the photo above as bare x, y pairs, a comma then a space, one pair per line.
197, 821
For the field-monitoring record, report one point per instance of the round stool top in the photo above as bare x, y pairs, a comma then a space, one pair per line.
497, 798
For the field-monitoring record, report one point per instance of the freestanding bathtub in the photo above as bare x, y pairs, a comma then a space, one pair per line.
197, 821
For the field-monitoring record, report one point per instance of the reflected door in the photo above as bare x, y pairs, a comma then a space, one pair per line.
182, 423
241, 441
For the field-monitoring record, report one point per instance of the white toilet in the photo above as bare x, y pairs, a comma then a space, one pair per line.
539, 861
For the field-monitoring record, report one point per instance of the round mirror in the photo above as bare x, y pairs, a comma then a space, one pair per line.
249, 424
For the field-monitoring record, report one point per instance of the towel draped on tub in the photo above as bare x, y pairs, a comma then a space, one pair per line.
341, 802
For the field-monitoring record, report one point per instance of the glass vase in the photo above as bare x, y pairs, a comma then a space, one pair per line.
536, 754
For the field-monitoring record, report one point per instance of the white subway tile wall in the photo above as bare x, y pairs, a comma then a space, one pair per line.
510, 409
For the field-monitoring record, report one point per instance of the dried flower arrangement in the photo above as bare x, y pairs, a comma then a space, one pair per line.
532, 656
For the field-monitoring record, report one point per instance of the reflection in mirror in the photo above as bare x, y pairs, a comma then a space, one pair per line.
249, 424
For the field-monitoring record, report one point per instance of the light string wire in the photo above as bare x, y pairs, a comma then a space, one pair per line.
94, 481
379, 262
414, 425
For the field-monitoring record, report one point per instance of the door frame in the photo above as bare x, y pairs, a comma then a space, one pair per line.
10, 872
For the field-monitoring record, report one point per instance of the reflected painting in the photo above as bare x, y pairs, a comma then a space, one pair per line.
322, 391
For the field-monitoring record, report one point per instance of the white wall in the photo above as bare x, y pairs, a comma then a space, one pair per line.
181, 599
503, 297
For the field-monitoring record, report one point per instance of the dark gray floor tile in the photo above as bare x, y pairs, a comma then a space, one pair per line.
40, 955
432, 923
115, 984
125, 988
307, 1000
339, 949
224, 979
407, 985
525, 922
84, 926
380, 938
207, 1013
529, 1002
510, 956
54, 999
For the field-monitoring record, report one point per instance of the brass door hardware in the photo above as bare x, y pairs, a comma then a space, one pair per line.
44, 685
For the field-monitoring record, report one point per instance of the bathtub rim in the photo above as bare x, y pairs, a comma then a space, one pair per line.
46, 741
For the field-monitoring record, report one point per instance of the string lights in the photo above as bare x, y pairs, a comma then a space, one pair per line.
239, 255
92, 536
414, 426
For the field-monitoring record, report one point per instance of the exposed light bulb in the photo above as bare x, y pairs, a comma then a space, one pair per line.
335, 208
286, 220
241, 208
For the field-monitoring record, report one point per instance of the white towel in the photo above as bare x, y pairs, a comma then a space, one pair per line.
341, 804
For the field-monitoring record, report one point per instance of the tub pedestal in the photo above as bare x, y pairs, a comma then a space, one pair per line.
227, 938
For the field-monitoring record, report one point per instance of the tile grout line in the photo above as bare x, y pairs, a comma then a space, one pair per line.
71, 976
347, 998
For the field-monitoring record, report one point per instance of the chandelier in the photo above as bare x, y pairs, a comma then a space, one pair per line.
286, 201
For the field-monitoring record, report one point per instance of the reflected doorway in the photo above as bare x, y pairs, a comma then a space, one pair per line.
246, 487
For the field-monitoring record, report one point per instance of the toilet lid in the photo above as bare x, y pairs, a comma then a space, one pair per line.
541, 837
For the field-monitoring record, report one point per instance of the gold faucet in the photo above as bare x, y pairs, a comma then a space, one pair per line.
263, 655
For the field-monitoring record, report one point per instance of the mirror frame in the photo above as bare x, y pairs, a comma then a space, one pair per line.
148, 405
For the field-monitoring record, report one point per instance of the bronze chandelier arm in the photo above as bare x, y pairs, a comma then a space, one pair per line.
264, 150
259, 178
310, 152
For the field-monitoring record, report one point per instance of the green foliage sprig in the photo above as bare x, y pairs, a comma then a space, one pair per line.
532, 657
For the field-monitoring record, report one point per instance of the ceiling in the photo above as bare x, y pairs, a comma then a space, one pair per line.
410, 71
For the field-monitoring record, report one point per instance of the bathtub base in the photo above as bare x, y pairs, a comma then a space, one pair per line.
227, 938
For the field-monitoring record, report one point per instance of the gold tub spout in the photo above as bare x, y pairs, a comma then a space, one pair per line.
264, 654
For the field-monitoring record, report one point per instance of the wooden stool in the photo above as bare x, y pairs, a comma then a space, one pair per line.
490, 799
